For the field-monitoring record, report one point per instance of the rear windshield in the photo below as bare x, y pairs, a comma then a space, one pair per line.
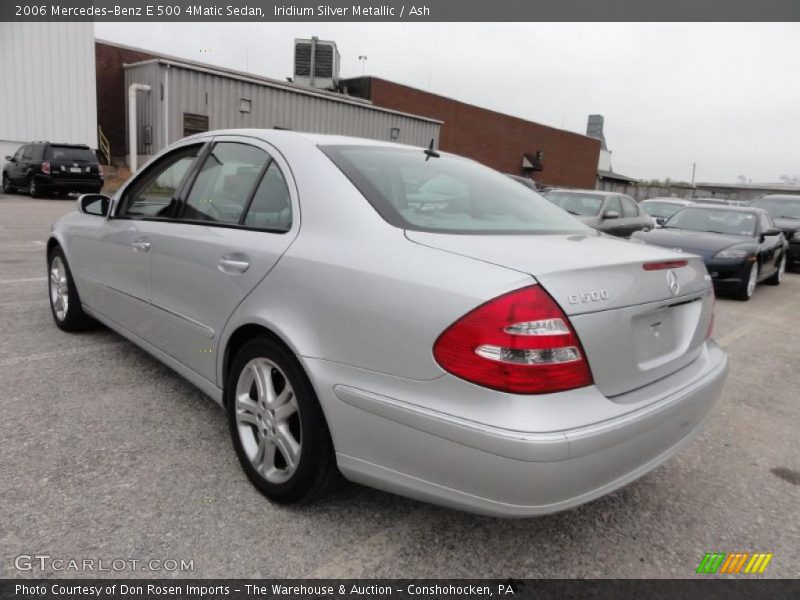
72, 153
780, 209
577, 203
446, 194
714, 220
661, 210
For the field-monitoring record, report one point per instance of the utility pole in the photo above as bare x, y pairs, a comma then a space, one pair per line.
363, 59
694, 169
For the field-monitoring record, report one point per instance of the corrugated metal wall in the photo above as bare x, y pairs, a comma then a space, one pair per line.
47, 83
218, 97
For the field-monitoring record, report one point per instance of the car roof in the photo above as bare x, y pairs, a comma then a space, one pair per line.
596, 192
669, 201
778, 197
318, 139
728, 207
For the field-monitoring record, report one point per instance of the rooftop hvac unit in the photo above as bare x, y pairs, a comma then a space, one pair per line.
316, 63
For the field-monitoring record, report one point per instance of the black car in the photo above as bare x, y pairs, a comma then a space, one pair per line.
785, 211
43, 168
740, 246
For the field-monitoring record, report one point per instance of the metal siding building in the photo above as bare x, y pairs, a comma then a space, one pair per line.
48, 90
178, 89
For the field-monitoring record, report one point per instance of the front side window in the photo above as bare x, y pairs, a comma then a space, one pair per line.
629, 208
577, 203
223, 186
155, 194
613, 205
445, 194
20, 153
27, 152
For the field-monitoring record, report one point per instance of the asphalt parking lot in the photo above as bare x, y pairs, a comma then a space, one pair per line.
107, 454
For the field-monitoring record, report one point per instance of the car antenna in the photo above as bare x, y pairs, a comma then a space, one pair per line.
430, 152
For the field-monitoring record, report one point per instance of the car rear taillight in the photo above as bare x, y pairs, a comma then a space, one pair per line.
520, 342
46, 168
665, 264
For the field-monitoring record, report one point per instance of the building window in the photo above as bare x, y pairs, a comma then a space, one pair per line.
244, 105
194, 124
395, 133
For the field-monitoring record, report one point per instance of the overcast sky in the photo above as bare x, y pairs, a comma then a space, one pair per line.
726, 96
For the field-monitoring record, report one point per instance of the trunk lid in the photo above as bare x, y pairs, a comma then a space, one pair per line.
636, 325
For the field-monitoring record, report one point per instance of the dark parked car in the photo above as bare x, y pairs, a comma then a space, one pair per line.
785, 211
740, 246
608, 212
43, 168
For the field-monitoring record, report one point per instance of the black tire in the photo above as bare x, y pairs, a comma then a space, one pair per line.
316, 472
7, 187
778, 276
35, 189
743, 293
74, 318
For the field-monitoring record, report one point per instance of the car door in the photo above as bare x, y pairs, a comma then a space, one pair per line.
236, 218
21, 162
116, 257
631, 216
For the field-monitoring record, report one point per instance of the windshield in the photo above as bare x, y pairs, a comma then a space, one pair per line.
72, 153
446, 194
577, 203
780, 209
714, 220
660, 210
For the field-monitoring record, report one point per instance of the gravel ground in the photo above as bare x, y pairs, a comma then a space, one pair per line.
108, 454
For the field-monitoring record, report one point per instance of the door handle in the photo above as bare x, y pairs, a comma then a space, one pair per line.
141, 244
234, 263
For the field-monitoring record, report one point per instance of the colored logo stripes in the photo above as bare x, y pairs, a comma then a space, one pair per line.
735, 562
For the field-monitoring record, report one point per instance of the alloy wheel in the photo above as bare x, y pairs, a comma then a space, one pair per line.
6, 185
268, 420
59, 288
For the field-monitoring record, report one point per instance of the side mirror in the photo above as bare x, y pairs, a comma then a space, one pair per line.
611, 214
10, 158
94, 204
772, 231
660, 220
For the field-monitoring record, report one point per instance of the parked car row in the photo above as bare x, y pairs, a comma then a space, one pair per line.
44, 168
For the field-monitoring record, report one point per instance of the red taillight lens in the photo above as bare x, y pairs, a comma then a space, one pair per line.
665, 264
46, 168
520, 342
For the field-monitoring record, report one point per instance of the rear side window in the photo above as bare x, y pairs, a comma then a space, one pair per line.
223, 186
36, 152
71, 154
271, 207
577, 203
445, 194
629, 208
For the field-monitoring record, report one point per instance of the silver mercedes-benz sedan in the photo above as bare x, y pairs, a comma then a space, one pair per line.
404, 317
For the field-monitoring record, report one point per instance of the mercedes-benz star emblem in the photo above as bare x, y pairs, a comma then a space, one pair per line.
672, 283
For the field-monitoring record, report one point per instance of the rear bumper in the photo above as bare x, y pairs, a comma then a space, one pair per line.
70, 185
406, 448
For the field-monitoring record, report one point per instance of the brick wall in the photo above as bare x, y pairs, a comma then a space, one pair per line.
493, 138
111, 91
